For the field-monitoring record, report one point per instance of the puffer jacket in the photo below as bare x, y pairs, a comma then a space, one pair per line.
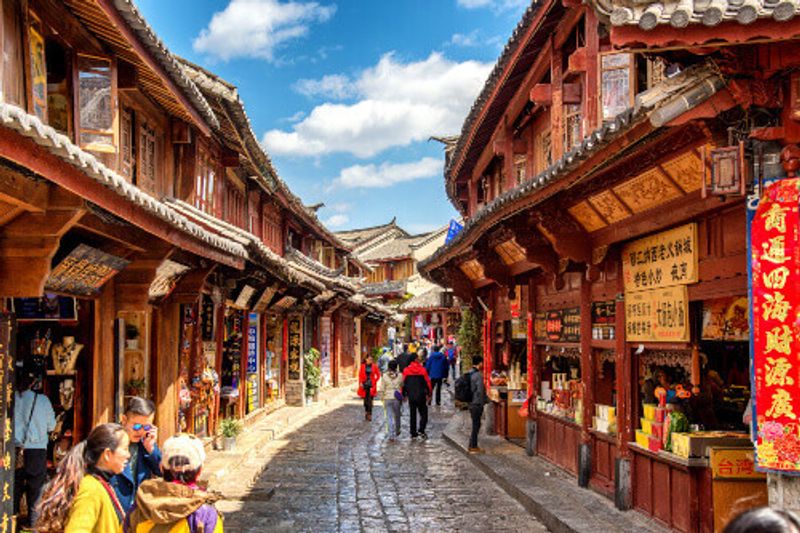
164, 506
390, 382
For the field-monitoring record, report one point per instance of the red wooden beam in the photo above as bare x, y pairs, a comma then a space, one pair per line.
30, 155
133, 39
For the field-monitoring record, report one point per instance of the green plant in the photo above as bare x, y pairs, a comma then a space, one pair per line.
312, 372
135, 387
469, 337
376, 353
230, 427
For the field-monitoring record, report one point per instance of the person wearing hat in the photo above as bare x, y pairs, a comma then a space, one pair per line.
176, 503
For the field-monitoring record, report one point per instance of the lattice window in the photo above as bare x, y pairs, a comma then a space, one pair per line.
126, 144
146, 163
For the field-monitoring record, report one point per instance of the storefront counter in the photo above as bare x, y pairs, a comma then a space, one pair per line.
557, 440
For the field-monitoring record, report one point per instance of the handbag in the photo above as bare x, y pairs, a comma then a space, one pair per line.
19, 460
398, 396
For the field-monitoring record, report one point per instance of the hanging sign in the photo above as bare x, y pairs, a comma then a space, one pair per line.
662, 260
558, 325
658, 315
84, 271
295, 344
7, 455
252, 343
775, 332
454, 229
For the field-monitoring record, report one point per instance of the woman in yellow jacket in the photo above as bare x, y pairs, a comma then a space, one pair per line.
79, 499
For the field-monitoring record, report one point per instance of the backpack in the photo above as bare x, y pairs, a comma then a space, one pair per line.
463, 388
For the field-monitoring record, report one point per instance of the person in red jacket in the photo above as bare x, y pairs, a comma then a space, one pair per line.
368, 376
417, 388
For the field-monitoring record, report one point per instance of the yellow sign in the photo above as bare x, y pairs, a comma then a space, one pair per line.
663, 260
734, 463
657, 315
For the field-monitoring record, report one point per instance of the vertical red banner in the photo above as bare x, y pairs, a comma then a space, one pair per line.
775, 258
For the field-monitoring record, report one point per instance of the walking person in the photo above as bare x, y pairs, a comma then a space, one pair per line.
477, 402
437, 368
390, 390
452, 358
417, 388
80, 498
368, 376
145, 456
383, 360
34, 419
176, 503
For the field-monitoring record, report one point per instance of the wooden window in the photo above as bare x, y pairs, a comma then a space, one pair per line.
126, 144
96, 98
146, 161
205, 193
271, 228
233, 208
520, 168
573, 126
59, 94
616, 84
38, 68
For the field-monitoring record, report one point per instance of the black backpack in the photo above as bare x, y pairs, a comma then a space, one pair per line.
463, 388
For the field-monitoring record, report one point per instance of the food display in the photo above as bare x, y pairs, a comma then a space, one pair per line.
605, 419
562, 397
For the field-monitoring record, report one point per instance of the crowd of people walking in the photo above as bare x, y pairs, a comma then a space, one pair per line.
416, 375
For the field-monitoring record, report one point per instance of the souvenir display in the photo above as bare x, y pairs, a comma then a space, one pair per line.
65, 355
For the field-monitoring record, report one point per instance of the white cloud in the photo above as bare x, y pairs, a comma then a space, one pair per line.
398, 103
464, 39
334, 86
337, 220
495, 5
255, 28
387, 174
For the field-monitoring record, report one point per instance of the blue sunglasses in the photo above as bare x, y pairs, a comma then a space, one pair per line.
137, 427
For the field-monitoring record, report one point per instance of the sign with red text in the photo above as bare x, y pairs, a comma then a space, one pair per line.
774, 259
657, 315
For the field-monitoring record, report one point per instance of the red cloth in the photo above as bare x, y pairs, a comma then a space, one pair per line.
375, 375
416, 369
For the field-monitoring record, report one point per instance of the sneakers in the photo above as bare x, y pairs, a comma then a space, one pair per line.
475, 450
423, 435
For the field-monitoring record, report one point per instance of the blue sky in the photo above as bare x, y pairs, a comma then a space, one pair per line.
344, 95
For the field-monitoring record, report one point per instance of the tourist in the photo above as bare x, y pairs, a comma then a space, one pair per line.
383, 360
417, 388
96, 507
53, 506
390, 391
368, 376
477, 402
452, 358
764, 520
34, 419
176, 503
144, 452
437, 368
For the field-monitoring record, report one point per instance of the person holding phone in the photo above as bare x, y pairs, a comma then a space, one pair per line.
145, 456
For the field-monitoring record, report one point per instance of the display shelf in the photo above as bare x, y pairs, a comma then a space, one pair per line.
69, 374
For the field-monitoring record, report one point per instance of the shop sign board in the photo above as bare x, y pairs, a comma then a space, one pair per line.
657, 315
48, 307
252, 343
663, 260
7, 455
604, 316
519, 329
734, 463
726, 319
84, 271
207, 318
295, 345
325, 349
558, 325
774, 260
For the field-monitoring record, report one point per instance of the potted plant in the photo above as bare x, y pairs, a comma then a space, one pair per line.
313, 374
131, 337
135, 387
230, 428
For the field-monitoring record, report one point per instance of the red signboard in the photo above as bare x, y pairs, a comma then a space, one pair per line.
775, 257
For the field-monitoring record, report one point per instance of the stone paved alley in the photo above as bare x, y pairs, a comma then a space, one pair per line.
339, 473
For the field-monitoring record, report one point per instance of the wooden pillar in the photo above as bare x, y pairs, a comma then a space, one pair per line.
103, 355
591, 82
625, 388
557, 107
533, 372
213, 418
167, 331
587, 381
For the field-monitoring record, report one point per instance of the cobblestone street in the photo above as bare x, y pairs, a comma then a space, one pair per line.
339, 473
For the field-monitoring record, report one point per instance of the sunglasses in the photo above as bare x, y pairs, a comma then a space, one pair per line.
138, 427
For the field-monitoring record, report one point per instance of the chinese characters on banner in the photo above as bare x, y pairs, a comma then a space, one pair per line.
558, 325
659, 315
774, 257
656, 271
295, 349
7, 454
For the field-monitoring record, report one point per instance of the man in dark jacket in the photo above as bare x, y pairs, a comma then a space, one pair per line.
145, 456
405, 358
417, 388
437, 368
477, 403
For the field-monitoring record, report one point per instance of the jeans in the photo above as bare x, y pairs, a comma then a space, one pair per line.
391, 410
367, 403
30, 479
475, 411
437, 389
453, 370
422, 408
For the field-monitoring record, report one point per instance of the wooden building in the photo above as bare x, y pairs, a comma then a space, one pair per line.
147, 245
604, 174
